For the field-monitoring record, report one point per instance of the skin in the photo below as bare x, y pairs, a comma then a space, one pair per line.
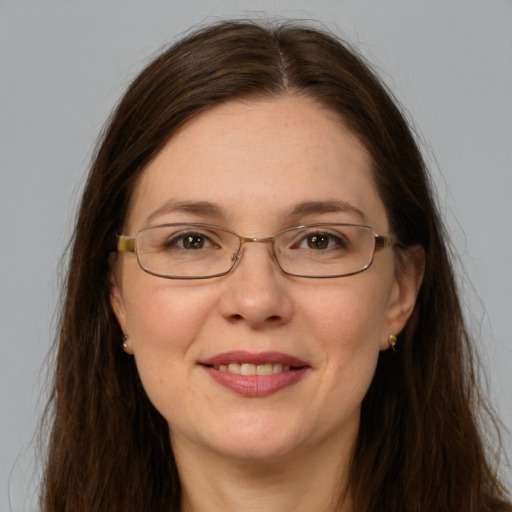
291, 449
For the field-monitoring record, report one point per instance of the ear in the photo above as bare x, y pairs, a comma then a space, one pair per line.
117, 303
402, 299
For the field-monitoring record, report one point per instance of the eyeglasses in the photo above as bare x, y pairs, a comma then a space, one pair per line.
202, 251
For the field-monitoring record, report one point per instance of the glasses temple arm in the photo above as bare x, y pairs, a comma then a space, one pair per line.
126, 243
385, 240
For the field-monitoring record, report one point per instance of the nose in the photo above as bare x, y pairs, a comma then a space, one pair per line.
257, 292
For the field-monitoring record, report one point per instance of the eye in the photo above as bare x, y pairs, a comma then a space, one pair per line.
323, 241
193, 241
320, 241
189, 241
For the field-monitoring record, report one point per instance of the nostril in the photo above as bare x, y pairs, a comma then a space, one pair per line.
272, 319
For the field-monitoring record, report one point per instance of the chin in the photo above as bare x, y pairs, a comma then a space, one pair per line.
255, 439
254, 451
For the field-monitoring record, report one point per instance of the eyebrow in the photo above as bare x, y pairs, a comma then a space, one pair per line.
202, 208
302, 209
306, 208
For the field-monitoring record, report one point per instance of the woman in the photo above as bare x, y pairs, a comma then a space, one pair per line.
260, 312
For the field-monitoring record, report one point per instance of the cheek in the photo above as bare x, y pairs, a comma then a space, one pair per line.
347, 326
352, 312
163, 321
165, 316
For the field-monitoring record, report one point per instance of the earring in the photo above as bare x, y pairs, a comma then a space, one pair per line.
392, 341
126, 348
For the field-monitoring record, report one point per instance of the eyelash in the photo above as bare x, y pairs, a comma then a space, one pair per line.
338, 242
181, 237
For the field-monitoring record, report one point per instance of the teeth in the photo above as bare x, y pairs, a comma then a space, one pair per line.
234, 368
253, 369
264, 369
277, 368
248, 369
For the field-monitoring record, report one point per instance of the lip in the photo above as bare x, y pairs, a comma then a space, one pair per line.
255, 385
242, 356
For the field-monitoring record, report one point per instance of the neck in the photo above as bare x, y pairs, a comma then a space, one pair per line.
301, 482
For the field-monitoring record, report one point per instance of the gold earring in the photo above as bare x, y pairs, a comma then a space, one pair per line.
126, 348
392, 341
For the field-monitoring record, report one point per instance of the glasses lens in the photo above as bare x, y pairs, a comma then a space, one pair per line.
186, 250
325, 250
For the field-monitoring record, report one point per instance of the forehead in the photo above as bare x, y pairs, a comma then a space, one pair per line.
257, 160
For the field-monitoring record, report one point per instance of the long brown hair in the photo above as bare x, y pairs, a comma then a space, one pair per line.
419, 447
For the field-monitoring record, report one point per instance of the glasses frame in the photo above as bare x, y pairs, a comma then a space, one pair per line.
127, 243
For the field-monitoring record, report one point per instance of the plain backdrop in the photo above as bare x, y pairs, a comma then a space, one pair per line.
64, 64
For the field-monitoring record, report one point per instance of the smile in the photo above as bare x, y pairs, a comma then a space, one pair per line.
253, 369
255, 374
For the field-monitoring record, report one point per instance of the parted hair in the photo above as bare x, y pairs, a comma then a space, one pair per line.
421, 445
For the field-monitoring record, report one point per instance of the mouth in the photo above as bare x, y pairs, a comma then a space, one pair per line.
255, 374
254, 369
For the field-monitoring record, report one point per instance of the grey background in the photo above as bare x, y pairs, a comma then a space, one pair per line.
63, 65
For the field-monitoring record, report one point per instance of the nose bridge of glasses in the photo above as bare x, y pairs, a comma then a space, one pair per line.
248, 240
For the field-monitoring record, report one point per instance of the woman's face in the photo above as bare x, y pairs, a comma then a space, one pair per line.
258, 168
